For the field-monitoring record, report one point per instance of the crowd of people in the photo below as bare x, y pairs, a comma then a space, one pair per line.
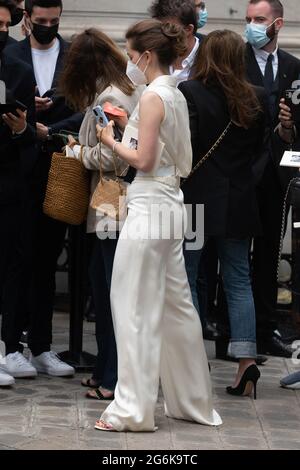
210, 125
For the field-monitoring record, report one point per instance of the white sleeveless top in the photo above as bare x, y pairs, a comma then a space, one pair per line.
175, 129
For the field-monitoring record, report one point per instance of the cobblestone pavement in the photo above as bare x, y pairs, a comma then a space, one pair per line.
49, 413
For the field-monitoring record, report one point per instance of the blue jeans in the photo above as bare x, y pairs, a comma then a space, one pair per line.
234, 260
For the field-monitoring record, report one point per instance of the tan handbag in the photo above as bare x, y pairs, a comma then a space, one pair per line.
109, 197
68, 190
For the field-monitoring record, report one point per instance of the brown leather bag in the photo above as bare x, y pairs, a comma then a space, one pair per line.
109, 197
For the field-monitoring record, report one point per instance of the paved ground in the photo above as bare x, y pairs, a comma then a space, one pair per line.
48, 413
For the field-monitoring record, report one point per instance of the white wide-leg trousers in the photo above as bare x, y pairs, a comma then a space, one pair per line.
158, 331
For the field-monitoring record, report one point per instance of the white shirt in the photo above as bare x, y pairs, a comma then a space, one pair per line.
262, 57
183, 74
44, 64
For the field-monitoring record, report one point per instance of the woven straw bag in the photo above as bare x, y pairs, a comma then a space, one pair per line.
68, 190
109, 197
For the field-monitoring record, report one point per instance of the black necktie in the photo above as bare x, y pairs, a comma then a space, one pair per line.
269, 74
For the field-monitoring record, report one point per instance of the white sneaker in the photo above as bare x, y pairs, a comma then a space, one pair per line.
49, 363
18, 366
5, 379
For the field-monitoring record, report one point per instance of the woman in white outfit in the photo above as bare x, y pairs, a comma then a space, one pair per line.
158, 331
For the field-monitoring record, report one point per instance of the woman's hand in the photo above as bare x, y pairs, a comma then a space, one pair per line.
17, 124
120, 121
285, 115
106, 134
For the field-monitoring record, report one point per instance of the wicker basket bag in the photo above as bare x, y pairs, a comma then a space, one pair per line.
68, 190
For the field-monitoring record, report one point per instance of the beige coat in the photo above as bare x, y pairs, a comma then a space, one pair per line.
91, 150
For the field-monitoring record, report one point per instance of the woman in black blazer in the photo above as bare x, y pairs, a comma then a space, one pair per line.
217, 95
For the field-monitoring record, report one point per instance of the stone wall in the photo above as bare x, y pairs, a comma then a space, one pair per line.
114, 16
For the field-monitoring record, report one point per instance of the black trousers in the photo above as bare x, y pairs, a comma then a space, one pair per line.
101, 266
17, 280
50, 241
30, 280
208, 280
265, 252
9, 215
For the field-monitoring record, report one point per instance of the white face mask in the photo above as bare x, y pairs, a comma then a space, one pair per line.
135, 74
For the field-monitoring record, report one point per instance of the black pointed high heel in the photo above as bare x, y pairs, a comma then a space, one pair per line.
247, 383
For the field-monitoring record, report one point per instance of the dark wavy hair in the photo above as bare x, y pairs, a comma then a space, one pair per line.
93, 63
221, 62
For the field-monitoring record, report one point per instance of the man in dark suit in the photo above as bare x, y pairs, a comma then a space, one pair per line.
44, 51
183, 13
275, 70
17, 134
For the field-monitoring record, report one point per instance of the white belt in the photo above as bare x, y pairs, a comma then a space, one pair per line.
160, 172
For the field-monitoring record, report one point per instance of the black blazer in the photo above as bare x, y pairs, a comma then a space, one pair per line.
11, 41
289, 71
20, 82
200, 36
59, 116
225, 183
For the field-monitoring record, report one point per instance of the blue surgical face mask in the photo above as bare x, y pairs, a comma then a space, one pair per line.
202, 18
256, 34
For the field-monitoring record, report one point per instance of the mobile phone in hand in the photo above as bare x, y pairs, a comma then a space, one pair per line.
100, 116
12, 107
103, 121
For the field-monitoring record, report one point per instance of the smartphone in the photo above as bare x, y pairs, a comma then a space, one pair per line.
49, 93
292, 100
12, 107
100, 116
103, 121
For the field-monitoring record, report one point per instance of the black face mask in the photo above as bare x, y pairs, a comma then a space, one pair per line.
17, 16
44, 34
3, 40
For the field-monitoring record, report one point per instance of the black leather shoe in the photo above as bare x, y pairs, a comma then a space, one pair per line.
274, 346
247, 383
221, 353
210, 332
